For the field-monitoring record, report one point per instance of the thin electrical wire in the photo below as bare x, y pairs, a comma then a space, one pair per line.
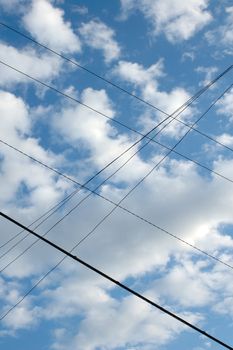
117, 204
134, 96
75, 63
178, 110
143, 135
214, 258
119, 284
76, 206
96, 226
64, 201
110, 118
108, 82
188, 103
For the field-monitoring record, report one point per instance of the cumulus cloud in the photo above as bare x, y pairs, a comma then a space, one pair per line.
16, 130
177, 20
42, 66
226, 139
225, 105
8, 5
209, 73
223, 34
147, 81
46, 23
76, 123
98, 35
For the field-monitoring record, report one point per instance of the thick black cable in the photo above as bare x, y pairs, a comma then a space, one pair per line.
119, 284
159, 110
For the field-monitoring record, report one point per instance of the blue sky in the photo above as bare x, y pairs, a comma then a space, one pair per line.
163, 52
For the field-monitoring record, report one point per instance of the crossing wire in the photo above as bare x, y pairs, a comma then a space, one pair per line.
118, 204
110, 82
75, 63
119, 284
76, 206
115, 85
147, 136
115, 120
191, 127
143, 136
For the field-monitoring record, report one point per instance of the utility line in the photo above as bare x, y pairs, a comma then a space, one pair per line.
119, 284
108, 81
80, 202
198, 249
115, 120
95, 191
75, 63
117, 204
123, 91
180, 110
64, 201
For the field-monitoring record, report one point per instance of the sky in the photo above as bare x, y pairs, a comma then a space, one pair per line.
162, 52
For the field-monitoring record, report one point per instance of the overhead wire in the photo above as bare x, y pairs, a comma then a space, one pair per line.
94, 191
64, 201
143, 135
109, 82
190, 99
119, 284
118, 205
75, 63
189, 102
138, 99
110, 118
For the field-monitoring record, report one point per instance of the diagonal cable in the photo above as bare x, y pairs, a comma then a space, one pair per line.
119, 284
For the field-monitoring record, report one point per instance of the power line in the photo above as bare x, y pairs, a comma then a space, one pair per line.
171, 149
143, 136
64, 201
95, 190
107, 81
179, 111
118, 204
75, 63
132, 130
117, 121
119, 284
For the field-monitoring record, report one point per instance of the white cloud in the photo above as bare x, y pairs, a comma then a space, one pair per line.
225, 105
46, 23
41, 66
223, 34
40, 187
178, 20
76, 123
226, 139
147, 80
195, 281
209, 73
8, 5
98, 35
